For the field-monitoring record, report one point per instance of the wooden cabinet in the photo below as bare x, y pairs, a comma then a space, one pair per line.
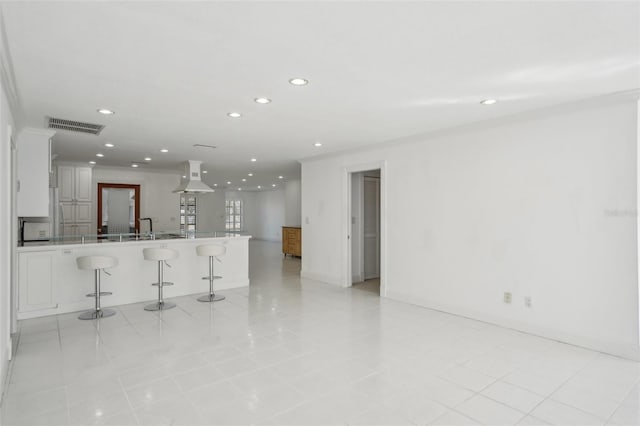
292, 240
33, 168
35, 280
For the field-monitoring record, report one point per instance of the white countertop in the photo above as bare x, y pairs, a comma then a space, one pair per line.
57, 245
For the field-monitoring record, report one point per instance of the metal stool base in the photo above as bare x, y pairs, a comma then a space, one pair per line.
102, 313
159, 306
211, 298
164, 284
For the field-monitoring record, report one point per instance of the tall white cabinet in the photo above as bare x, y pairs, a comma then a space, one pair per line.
76, 197
33, 167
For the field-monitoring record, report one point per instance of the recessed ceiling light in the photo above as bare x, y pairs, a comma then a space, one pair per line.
273, 184
317, 144
259, 187
184, 176
239, 189
488, 102
134, 165
299, 81
99, 155
262, 100
229, 182
215, 184
280, 177
234, 115
147, 158
109, 145
253, 160
244, 180
92, 162
105, 111
205, 171
250, 174
165, 150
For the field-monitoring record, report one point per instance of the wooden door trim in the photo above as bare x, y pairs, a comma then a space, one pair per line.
136, 189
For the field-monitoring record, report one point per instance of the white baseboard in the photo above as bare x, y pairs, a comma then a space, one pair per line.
628, 351
329, 279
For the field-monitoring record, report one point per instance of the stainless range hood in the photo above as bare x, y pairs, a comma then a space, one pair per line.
191, 182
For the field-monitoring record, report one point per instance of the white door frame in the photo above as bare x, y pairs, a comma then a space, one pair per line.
346, 221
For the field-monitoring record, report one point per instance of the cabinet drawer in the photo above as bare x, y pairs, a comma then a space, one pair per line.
291, 243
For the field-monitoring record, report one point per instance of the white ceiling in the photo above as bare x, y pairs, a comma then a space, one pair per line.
378, 71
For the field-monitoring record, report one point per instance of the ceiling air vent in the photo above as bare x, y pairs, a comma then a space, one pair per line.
75, 126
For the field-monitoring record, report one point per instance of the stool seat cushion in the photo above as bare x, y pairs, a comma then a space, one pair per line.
159, 253
211, 250
96, 262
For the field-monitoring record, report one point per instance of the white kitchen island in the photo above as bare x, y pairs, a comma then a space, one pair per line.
49, 281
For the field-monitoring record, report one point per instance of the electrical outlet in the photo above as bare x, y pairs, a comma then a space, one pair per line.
527, 301
507, 297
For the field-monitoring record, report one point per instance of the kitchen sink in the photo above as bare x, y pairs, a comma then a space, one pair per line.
169, 236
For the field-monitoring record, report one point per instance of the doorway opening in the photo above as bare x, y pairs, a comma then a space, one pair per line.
365, 234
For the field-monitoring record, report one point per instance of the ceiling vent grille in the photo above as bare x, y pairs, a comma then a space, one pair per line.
75, 126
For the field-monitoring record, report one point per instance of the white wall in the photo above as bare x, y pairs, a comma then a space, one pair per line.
292, 189
530, 206
264, 212
8, 242
157, 199
211, 212
271, 207
8, 222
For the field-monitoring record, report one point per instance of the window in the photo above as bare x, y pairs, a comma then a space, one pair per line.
187, 213
234, 215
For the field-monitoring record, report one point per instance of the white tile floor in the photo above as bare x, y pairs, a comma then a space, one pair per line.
293, 351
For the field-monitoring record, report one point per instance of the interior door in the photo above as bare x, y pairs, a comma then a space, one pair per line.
371, 227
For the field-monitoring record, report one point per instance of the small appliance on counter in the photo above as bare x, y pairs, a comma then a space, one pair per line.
35, 231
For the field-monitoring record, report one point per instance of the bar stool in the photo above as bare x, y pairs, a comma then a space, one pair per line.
160, 255
97, 264
213, 251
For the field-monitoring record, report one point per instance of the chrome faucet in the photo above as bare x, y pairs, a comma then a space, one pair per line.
150, 225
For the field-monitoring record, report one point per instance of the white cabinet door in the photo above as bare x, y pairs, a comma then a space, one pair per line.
33, 166
83, 229
66, 183
74, 183
68, 212
83, 184
75, 192
83, 212
36, 280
